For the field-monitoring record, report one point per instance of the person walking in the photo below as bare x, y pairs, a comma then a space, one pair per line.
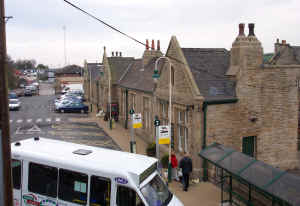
186, 166
174, 163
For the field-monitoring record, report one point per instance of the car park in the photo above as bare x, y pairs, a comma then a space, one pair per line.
14, 104
73, 107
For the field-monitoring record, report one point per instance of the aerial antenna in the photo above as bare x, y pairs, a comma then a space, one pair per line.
65, 48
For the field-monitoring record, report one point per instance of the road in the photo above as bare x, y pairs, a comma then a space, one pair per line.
38, 118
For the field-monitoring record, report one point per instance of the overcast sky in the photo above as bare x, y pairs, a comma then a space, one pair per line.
36, 30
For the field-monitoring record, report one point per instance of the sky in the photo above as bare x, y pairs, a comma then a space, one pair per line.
36, 29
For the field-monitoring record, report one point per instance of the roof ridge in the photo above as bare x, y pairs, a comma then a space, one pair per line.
126, 71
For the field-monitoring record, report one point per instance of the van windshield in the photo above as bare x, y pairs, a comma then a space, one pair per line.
156, 192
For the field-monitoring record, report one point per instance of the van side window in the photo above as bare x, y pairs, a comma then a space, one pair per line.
73, 186
100, 191
42, 179
128, 197
16, 173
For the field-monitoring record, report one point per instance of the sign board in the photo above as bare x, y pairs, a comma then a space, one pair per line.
137, 120
163, 135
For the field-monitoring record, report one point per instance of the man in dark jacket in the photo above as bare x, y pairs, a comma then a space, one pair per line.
186, 166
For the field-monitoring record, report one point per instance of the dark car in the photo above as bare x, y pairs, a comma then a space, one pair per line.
73, 107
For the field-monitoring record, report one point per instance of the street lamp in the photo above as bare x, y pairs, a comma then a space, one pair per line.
155, 77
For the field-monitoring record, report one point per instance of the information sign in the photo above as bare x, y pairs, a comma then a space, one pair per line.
164, 135
137, 120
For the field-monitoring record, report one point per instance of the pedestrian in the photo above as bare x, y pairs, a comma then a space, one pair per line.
186, 166
174, 163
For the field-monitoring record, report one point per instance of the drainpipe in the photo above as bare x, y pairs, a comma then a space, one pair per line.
126, 109
204, 109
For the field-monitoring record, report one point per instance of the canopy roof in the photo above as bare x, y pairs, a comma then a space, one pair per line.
273, 181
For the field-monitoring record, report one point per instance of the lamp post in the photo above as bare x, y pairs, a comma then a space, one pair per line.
132, 141
155, 77
109, 99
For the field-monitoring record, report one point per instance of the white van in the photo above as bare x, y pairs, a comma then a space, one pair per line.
55, 173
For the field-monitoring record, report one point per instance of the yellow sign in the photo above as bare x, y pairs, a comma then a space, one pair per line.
164, 135
137, 121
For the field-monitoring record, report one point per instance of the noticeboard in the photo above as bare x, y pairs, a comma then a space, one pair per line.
137, 120
164, 135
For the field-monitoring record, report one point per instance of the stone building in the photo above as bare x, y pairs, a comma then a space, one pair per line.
231, 97
113, 69
261, 119
91, 85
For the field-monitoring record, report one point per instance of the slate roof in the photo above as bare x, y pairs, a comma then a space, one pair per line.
297, 53
209, 66
118, 66
94, 70
139, 78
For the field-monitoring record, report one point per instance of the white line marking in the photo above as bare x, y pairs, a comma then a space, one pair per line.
57, 119
39, 120
48, 120
29, 120
19, 120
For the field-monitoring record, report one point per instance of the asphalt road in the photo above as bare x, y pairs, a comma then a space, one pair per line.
38, 118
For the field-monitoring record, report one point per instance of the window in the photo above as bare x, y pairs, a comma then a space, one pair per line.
146, 112
16, 173
249, 146
182, 130
128, 197
42, 179
73, 186
100, 191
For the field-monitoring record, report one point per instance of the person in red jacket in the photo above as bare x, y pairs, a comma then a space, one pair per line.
174, 163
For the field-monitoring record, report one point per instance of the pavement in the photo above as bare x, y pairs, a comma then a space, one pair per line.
202, 193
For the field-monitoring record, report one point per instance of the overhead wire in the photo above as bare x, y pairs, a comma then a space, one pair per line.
222, 78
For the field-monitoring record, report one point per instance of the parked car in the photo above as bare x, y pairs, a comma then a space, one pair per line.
33, 89
59, 103
28, 92
13, 95
73, 107
14, 104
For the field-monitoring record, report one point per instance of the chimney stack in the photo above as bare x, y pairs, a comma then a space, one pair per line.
251, 29
158, 45
147, 44
241, 29
112, 54
152, 45
120, 54
117, 53
283, 42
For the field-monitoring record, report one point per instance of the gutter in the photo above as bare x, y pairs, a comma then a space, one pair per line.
204, 109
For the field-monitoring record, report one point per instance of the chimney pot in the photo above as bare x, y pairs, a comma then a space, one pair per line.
112, 54
251, 29
277, 41
158, 45
241, 29
152, 45
147, 44
117, 53
283, 41
120, 54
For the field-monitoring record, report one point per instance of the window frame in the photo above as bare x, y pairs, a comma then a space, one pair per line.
83, 175
108, 180
29, 188
21, 175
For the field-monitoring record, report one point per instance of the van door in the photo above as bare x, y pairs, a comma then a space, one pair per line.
16, 166
73, 188
42, 185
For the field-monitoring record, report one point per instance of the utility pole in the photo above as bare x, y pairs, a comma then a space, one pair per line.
5, 159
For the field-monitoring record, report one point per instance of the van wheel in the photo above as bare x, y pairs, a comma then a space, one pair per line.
62, 111
82, 111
